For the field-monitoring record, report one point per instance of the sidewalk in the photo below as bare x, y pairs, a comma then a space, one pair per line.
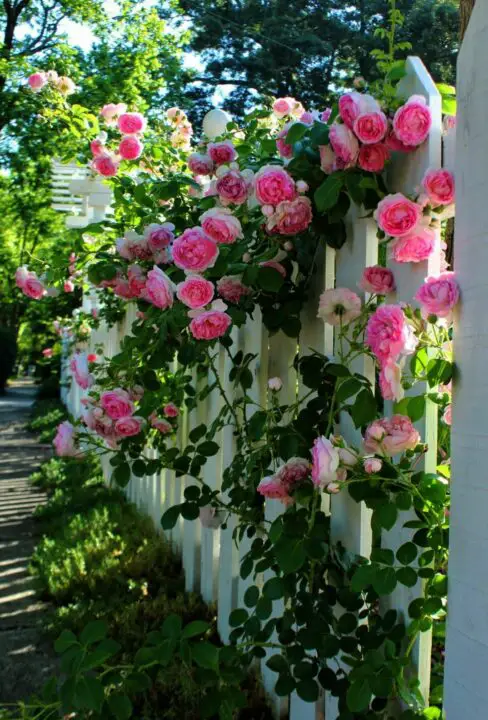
24, 660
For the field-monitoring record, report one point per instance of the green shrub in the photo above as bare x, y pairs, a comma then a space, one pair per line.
8, 343
49, 387
46, 415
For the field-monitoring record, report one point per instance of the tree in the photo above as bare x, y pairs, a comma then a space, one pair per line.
307, 48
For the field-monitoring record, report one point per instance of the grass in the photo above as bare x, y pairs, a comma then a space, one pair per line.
45, 417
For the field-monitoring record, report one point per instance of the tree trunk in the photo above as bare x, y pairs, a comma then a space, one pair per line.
465, 10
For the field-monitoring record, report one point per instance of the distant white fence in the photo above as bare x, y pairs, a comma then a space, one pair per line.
210, 558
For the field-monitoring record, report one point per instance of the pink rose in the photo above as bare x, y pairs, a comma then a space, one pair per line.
91, 357
447, 417
129, 426
122, 289
162, 426
416, 246
328, 160
200, 164
438, 295
65, 85
291, 216
412, 121
221, 225
372, 465
391, 381
325, 115
105, 164
159, 289
344, 144
97, 147
130, 147
397, 215
391, 436
195, 291
79, 368
37, 81
29, 283
339, 306
158, 237
111, 112
275, 265
232, 188
131, 123
194, 251
396, 145
68, 286
439, 186
284, 149
231, 288
272, 185
117, 403
47, 352
175, 115
222, 153
350, 105
210, 325
377, 279
170, 410
133, 246
388, 334
283, 107
371, 127
137, 279
271, 488
325, 462
292, 472
275, 384
373, 158
449, 123
64, 442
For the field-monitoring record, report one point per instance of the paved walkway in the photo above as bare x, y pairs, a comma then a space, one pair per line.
24, 659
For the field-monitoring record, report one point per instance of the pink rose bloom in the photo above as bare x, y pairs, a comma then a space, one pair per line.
130, 147
129, 426
195, 291
284, 149
283, 107
350, 106
37, 81
292, 472
79, 368
388, 334
64, 442
29, 283
275, 384
170, 410
397, 215
231, 288
449, 123
122, 289
438, 295
439, 186
97, 147
325, 462
371, 127
271, 488
416, 246
137, 279
328, 160
200, 164
391, 381
325, 115
396, 145
412, 121
47, 352
133, 246
345, 145
272, 185
275, 265
158, 237
68, 286
232, 188
91, 357
222, 153
377, 279
447, 417
159, 289
175, 115
373, 158
112, 111
210, 325
131, 123
65, 85
117, 403
291, 216
372, 465
161, 425
194, 251
105, 164
221, 225
339, 306
391, 436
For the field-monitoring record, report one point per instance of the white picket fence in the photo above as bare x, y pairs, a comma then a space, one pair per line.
210, 558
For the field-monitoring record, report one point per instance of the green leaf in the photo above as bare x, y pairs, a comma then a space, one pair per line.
95, 631
449, 106
66, 640
122, 474
150, 380
251, 596
291, 555
354, 187
269, 279
206, 655
89, 693
406, 553
385, 515
296, 132
274, 588
138, 682
171, 627
385, 580
277, 663
197, 433
139, 468
358, 696
120, 706
238, 617
208, 448
347, 389
362, 577
197, 627
256, 425
170, 517
327, 194
105, 650
308, 690
407, 576
364, 409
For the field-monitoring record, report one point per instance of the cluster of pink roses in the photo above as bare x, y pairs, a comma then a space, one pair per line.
366, 136
111, 414
408, 222
40, 79
391, 436
286, 210
131, 125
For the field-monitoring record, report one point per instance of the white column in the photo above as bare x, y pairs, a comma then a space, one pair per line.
466, 686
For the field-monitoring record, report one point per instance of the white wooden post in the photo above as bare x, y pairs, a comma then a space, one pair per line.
466, 686
406, 176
